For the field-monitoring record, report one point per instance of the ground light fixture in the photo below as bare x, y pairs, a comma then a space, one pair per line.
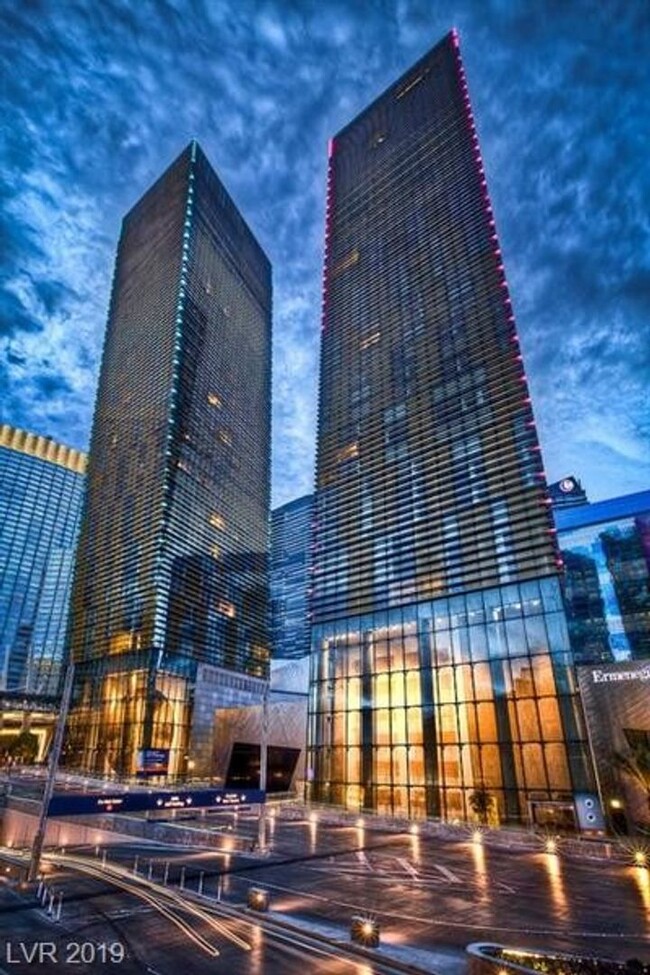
364, 931
258, 899
638, 853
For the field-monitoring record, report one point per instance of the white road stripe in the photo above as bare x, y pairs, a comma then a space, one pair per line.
449, 874
408, 866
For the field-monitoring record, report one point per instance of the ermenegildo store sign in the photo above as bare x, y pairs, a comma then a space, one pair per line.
616, 704
613, 676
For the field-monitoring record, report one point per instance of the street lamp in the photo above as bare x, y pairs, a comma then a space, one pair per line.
48, 789
264, 751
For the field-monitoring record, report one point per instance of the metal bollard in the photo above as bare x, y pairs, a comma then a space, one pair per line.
150, 870
219, 888
200, 890
166, 873
182, 881
50, 907
39, 891
104, 860
58, 908
135, 866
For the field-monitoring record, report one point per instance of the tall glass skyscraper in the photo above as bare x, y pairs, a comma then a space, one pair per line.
440, 657
41, 493
172, 569
290, 580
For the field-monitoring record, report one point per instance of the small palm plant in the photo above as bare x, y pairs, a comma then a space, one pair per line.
481, 802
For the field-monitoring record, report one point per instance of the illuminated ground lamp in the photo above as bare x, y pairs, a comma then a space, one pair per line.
477, 836
258, 899
551, 845
364, 931
640, 858
414, 829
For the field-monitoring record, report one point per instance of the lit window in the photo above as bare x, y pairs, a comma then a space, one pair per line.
217, 521
370, 340
411, 84
226, 608
348, 261
225, 437
347, 453
215, 400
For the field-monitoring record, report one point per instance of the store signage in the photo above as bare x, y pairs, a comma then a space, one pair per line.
607, 676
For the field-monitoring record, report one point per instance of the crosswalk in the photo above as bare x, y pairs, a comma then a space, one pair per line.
402, 870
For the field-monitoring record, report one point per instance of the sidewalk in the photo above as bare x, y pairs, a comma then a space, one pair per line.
441, 961
505, 837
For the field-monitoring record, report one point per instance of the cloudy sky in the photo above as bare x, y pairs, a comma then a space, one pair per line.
100, 97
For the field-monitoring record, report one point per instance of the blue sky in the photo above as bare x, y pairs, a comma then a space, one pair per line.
100, 97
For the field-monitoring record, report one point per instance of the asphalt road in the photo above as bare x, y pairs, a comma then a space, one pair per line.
429, 895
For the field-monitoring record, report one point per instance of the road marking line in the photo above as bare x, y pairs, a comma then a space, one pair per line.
408, 866
361, 856
449, 874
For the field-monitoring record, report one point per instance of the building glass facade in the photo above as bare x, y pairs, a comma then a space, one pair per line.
606, 551
172, 570
290, 561
41, 493
440, 655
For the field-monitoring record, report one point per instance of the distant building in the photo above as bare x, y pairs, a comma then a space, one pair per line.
606, 552
41, 493
567, 493
170, 600
290, 561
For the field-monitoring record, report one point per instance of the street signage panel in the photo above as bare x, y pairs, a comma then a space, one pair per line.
152, 761
89, 803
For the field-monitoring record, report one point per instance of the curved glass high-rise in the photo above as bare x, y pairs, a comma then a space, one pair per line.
171, 583
440, 659
41, 493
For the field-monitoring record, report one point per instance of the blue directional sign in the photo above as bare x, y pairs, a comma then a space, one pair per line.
65, 804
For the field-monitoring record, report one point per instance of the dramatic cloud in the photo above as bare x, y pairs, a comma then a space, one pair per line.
99, 98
